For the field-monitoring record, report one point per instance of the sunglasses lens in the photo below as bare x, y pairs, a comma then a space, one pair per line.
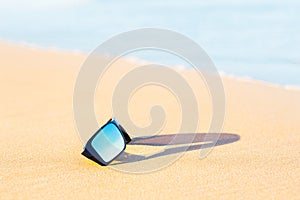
109, 142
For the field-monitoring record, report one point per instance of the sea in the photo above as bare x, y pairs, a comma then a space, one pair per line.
257, 39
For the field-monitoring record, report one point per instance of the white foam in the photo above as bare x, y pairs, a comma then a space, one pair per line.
144, 62
292, 87
39, 47
250, 79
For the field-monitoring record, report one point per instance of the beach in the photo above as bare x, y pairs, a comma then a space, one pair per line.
41, 149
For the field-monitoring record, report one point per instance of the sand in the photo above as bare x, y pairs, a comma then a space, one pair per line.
40, 146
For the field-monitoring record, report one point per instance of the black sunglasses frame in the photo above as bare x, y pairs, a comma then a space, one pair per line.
90, 152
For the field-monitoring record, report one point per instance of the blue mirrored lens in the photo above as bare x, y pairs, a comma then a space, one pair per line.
109, 142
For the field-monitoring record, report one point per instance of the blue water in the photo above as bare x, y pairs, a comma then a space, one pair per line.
258, 39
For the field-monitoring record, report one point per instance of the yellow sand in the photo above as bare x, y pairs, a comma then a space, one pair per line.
40, 147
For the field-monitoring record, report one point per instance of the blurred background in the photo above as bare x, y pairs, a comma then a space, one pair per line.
258, 39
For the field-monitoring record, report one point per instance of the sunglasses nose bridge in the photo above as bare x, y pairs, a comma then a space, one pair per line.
114, 120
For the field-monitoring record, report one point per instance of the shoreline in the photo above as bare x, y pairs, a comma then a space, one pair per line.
36, 47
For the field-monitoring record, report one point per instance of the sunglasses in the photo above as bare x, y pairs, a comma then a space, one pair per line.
107, 143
